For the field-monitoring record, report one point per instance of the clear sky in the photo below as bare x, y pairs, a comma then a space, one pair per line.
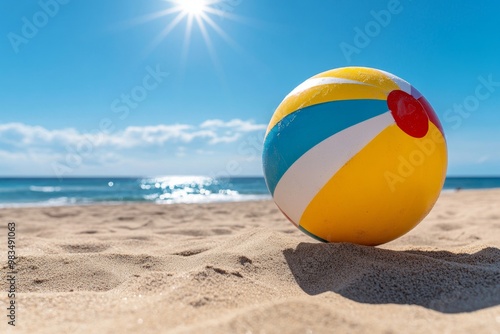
122, 87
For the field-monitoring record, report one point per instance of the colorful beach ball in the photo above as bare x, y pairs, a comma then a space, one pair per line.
355, 155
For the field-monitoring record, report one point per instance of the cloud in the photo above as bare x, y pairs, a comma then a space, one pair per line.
135, 136
35, 150
23, 137
236, 125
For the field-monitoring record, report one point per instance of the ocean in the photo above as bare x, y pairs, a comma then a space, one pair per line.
162, 190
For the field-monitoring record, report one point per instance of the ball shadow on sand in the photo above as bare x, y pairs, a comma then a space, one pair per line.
437, 280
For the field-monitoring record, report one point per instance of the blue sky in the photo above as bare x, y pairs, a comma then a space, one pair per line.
94, 88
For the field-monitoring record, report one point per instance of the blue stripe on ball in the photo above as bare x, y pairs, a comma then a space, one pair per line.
298, 132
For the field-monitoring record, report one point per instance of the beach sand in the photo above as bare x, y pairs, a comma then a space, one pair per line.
243, 268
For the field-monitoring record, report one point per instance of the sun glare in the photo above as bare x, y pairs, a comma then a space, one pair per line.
197, 14
192, 7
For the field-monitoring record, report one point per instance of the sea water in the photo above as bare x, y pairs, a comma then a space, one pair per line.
162, 190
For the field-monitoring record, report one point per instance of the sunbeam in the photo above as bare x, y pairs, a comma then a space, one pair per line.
199, 13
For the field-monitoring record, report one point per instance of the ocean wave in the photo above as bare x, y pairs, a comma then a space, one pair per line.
212, 198
193, 199
45, 189
58, 201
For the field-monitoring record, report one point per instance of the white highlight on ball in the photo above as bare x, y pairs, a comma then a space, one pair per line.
403, 85
315, 82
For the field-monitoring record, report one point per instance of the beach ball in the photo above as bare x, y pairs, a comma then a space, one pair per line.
355, 155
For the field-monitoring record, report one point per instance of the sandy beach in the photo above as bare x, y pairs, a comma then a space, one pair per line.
243, 268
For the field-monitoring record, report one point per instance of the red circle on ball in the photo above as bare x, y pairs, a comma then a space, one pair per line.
408, 113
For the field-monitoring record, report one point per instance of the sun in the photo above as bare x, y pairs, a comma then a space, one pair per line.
193, 7
198, 15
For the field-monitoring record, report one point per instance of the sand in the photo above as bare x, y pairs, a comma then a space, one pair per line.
242, 268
